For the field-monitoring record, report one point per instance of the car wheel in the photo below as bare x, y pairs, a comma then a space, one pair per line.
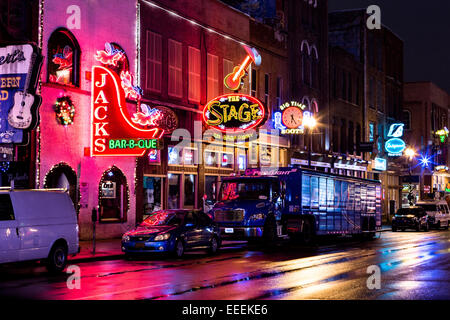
57, 259
427, 227
394, 229
213, 245
179, 249
448, 225
438, 225
418, 227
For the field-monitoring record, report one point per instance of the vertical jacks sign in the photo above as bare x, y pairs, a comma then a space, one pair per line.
114, 132
19, 71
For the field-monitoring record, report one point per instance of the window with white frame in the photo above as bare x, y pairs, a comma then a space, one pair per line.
153, 62
194, 62
175, 68
213, 76
227, 69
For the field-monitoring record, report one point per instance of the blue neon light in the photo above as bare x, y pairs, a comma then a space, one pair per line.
395, 146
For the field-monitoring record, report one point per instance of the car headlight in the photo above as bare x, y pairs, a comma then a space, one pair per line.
258, 216
125, 238
162, 237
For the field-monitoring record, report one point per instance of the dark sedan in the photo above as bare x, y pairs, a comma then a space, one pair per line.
410, 218
174, 231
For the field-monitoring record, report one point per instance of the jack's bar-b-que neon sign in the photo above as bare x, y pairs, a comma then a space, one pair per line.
113, 132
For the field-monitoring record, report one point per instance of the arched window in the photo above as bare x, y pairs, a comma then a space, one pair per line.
305, 63
113, 196
63, 176
63, 58
122, 63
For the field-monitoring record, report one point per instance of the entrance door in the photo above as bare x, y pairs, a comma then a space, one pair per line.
153, 194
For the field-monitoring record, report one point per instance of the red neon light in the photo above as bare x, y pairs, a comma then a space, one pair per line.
110, 119
242, 128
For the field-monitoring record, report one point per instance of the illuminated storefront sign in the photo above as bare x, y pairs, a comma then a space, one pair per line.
380, 164
19, 71
234, 113
442, 134
395, 146
441, 168
114, 132
289, 120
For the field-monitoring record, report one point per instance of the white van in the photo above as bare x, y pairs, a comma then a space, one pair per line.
437, 211
37, 225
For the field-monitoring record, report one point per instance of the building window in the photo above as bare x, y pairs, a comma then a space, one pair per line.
351, 137
334, 84
174, 156
194, 61
358, 94
213, 76
380, 97
175, 69
113, 196
174, 191
63, 62
279, 91
358, 139
266, 90
254, 84
350, 89
211, 187
227, 69
371, 131
343, 136
344, 85
189, 190
153, 62
372, 93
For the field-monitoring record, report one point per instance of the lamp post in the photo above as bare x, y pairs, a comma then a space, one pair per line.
310, 123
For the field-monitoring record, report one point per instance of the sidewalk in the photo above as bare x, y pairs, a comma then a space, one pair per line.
111, 250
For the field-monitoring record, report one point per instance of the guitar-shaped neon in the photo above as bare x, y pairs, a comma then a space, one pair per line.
233, 80
19, 115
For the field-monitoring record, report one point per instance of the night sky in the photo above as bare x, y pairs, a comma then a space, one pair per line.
424, 26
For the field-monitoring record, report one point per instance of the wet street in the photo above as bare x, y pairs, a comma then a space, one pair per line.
413, 266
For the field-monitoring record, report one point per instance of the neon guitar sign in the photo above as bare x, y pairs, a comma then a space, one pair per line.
233, 81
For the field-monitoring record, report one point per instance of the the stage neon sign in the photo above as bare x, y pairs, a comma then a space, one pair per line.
234, 113
113, 133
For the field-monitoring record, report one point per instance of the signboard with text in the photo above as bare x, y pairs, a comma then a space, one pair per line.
19, 70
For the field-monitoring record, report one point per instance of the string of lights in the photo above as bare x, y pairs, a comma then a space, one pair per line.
203, 26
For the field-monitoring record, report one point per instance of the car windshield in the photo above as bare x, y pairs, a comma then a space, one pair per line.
418, 212
245, 190
428, 207
161, 218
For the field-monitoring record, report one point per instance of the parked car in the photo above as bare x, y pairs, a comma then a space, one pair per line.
37, 225
174, 231
438, 212
410, 218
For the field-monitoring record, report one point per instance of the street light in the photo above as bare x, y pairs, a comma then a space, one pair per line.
310, 123
410, 153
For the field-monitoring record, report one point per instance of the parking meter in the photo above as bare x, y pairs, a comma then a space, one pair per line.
94, 215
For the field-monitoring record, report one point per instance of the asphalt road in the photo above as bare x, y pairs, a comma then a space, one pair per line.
413, 266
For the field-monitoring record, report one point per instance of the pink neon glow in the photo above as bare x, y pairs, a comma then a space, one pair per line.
108, 59
127, 85
243, 65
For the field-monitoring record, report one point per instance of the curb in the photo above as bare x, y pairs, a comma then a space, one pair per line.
75, 259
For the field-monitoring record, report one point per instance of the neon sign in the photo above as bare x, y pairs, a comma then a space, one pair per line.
395, 146
442, 134
113, 133
233, 81
289, 120
234, 113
